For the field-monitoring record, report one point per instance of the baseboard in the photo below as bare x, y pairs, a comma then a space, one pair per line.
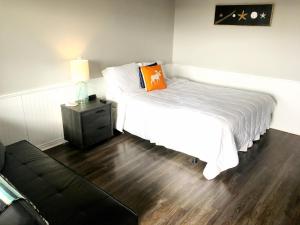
51, 144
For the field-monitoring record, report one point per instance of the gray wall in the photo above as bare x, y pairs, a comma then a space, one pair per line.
39, 37
268, 51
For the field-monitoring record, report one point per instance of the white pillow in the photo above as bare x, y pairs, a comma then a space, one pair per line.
126, 77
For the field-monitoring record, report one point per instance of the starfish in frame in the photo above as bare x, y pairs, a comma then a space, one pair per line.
243, 16
263, 15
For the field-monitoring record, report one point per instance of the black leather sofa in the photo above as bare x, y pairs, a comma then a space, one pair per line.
62, 196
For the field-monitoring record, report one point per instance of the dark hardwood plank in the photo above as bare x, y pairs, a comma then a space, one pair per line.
165, 188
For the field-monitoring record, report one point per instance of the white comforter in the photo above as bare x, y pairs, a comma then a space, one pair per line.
209, 122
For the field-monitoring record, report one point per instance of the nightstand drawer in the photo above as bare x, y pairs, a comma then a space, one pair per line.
96, 118
97, 135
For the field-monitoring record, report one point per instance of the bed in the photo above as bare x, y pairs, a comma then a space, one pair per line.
208, 122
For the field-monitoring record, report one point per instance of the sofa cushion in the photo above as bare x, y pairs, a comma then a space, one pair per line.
2, 156
62, 196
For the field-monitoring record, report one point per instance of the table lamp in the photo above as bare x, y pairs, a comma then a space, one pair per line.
80, 74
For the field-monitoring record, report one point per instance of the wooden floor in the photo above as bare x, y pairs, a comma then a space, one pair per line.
164, 188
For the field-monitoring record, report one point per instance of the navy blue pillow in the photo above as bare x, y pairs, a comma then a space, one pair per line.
142, 83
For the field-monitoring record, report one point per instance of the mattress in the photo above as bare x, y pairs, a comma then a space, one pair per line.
208, 122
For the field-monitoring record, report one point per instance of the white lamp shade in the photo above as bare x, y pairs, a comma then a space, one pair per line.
80, 70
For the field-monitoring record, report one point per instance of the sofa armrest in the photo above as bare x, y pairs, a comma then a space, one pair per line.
2, 156
21, 213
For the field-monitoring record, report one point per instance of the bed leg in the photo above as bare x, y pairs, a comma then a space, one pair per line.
194, 161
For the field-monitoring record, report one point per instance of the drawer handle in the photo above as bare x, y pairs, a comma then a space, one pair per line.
100, 128
100, 111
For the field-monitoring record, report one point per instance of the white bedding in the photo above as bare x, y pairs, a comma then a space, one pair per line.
209, 122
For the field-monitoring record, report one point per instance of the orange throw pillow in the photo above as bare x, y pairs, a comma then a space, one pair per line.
153, 78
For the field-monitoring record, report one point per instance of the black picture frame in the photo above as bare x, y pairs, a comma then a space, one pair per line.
244, 15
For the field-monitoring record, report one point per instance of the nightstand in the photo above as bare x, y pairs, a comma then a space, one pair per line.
88, 124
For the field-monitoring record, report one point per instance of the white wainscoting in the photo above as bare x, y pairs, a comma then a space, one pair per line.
286, 92
35, 115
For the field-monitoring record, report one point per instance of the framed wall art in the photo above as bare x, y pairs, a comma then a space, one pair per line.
247, 15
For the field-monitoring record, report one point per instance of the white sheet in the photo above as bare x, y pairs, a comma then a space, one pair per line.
209, 122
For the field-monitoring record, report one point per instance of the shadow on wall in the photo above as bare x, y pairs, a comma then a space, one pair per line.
95, 69
11, 131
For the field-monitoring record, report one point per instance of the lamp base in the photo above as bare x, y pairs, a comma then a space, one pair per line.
82, 101
82, 93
